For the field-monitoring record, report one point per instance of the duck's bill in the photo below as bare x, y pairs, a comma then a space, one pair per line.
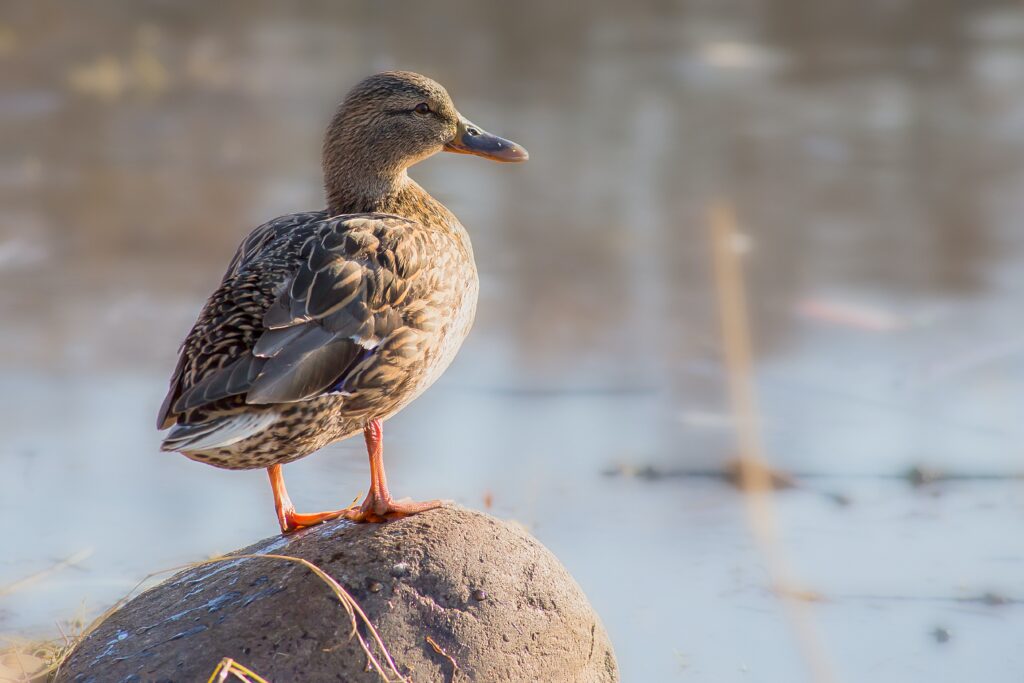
471, 139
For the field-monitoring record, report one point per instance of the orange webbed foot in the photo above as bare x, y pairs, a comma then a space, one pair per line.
382, 509
287, 517
293, 521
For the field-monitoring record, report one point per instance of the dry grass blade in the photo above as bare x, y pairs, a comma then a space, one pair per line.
441, 651
69, 561
229, 667
754, 473
354, 610
23, 660
355, 613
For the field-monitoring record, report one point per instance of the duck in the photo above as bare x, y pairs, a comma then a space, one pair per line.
327, 323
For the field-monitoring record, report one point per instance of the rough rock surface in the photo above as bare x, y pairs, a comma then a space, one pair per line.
486, 593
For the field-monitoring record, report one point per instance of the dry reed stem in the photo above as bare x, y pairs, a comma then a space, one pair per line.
441, 651
754, 473
69, 561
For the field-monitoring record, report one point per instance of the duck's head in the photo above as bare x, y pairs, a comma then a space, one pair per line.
395, 119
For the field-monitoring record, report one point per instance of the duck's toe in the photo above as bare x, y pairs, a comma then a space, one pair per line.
293, 521
376, 509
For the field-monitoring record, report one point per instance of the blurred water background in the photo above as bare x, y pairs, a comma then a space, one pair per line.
874, 155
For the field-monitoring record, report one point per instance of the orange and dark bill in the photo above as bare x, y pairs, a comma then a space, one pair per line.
471, 139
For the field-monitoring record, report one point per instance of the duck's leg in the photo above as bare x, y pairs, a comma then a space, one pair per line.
378, 505
287, 517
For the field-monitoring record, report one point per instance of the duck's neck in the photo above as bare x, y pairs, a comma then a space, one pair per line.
396, 194
360, 193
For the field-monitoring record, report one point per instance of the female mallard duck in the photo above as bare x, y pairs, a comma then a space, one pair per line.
327, 323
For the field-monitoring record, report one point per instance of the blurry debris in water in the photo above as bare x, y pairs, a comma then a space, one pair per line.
839, 498
798, 593
108, 78
917, 476
941, 634
923, 475
993, 599
654, 472
488, 499
729, 472
770, 477
920, 475
736, 55
847, 314
103, 78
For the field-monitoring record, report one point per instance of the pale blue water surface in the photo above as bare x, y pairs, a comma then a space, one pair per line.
875, 158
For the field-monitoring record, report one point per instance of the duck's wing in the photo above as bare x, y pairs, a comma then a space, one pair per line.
344, 300
231, 316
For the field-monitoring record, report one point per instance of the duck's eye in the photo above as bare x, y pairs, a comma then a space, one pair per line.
422, 109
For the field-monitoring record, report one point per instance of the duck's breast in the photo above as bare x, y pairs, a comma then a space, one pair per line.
455, 299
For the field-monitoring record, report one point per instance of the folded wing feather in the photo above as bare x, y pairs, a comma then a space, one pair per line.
340, 302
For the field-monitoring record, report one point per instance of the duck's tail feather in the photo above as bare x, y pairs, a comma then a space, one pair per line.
218, 432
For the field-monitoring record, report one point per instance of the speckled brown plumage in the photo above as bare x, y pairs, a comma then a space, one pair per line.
327, 322
327, 319
363, 306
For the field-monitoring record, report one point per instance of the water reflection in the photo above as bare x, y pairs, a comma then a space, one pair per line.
874, 158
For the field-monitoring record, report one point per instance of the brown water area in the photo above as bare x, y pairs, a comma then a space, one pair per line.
873, 153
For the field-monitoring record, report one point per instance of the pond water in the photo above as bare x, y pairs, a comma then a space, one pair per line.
874, 155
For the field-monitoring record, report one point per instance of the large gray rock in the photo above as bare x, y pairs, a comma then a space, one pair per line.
497, 604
